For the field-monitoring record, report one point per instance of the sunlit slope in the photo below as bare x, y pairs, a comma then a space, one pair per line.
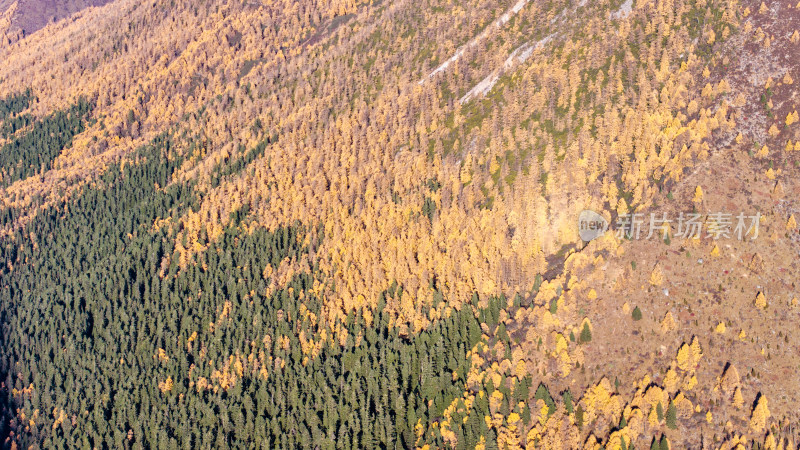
397, 168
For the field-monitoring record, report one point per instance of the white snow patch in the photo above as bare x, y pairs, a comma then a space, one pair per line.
483, 87
518, 56
623, 10
502, 20
539, 44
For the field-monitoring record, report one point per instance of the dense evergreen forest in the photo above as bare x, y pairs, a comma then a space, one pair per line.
34, 151
89, 311
15, 104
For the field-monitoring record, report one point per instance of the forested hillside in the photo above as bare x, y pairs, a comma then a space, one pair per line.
19, 18
353, 224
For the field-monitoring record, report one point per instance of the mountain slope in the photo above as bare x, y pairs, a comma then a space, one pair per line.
354, 224
24, 17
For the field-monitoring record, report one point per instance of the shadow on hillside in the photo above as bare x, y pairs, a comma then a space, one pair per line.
32, 15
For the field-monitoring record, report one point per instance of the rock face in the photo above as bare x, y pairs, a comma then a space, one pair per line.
23, 17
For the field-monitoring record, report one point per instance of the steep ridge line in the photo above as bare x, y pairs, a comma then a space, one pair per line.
523, 52
502, 20
518, 56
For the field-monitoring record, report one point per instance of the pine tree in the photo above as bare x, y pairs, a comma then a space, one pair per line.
671, 417
567, 397
586, 333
